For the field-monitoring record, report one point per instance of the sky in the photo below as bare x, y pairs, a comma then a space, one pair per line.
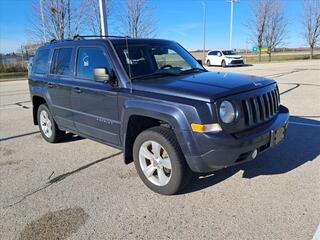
179, 20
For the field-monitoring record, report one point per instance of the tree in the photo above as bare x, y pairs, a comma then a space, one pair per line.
92, 15
311, 21
137, 21
59, 19
275, 27
258, 21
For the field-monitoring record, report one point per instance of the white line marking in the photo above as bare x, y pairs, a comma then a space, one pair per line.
305, 124
317, 234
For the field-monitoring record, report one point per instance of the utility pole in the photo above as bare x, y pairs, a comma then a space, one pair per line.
103, 17
42, 19
231, 21
204, 31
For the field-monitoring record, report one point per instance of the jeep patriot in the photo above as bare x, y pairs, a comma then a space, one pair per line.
154, 101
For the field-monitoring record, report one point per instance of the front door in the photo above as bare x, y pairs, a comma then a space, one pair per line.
94, 104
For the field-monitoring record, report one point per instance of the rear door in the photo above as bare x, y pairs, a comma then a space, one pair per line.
94, 103
59, 86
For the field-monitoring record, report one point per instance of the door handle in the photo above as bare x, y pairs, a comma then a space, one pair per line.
50, 85
77, 90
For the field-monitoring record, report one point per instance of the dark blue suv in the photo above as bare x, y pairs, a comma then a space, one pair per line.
154, 101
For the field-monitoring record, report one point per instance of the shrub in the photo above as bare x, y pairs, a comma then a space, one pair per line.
6, 67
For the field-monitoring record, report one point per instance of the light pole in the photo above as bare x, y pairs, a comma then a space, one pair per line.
231, 21
103, 18
204, 30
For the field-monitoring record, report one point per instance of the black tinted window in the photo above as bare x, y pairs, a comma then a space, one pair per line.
88, 59
61, 61
41, 62
212, 53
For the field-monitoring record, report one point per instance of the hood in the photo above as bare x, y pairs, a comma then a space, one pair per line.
234, 56
206, 86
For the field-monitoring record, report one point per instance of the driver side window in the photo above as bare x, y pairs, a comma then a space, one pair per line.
88, 59
168, 57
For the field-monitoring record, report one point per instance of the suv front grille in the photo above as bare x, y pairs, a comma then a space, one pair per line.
261, 108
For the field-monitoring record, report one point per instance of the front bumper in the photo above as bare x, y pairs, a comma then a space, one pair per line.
235, 62
209, 152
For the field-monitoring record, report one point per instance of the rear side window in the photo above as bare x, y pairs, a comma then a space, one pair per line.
61, 61
41, 62
90, 58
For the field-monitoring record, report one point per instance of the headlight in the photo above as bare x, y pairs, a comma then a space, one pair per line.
227, 112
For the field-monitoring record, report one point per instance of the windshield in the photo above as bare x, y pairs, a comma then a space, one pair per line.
156, 59
229, 52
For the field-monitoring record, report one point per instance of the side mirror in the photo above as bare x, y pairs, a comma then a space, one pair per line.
101, 75
219, 54
199, 61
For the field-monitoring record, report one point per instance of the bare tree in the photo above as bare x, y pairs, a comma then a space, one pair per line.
276, 26
92, 15
257, 23
56, 19
138, 21
311, 22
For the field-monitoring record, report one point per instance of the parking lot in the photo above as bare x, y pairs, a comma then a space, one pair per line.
80, 189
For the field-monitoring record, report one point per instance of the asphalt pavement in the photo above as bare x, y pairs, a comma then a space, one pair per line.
80, 189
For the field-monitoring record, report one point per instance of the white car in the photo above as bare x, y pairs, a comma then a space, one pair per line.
223, 58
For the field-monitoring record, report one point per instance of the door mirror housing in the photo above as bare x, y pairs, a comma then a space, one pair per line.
101, 75
219, 54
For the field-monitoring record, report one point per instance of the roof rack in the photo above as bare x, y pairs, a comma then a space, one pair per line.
81, 37
62, 40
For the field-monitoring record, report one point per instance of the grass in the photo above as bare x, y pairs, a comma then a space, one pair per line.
280, 58
13, 75
276, 57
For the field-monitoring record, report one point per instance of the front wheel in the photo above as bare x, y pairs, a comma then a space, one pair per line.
223, 64
48, 127
159, 161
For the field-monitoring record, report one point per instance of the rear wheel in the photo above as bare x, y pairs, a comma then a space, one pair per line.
48, 127
223, 64
159, 161
208, 63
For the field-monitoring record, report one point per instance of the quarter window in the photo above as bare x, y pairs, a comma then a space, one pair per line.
90, 58
61, 61
41, 63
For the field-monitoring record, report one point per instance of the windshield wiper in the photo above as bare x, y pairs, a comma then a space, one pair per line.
193, 70
155, 74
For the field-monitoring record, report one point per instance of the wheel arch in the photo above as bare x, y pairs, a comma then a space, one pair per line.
39, 96
138, 116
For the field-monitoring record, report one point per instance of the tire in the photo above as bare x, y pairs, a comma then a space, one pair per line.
208, 63
175, 178
48, 127
223, 64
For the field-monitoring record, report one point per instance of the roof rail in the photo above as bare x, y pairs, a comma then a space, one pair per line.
61, 40
81, 37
